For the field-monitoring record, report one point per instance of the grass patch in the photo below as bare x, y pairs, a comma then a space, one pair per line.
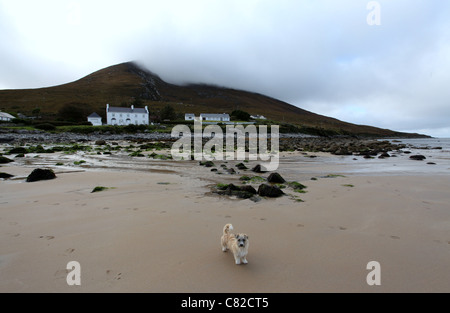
222, 186
100, 189
257, 180
349, 185
79, 162
333, 176
136, 154
296, 185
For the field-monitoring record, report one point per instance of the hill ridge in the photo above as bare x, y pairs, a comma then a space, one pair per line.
128, 82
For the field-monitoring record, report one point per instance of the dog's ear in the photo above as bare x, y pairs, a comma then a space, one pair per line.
246, 237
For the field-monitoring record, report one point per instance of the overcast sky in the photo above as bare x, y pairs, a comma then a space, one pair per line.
321, 55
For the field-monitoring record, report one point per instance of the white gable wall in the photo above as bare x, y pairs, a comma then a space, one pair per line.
127, 117
95, 121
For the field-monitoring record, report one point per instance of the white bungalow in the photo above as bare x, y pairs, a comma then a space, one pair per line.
127, 116
6, 117
95, 119
215, 117
189, 117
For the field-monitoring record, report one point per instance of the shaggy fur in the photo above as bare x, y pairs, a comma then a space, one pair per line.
237, 243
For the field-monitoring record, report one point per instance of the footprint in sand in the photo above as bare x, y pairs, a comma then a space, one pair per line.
61, 273
395, 237
300, 225
342, 228
116, 277
263, 219
70, 250
47, 237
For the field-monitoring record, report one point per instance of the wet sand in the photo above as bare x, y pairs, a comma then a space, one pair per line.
158, 230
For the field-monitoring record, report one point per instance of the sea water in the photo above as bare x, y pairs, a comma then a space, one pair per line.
436, 151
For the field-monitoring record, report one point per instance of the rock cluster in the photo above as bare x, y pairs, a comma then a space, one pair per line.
271, 189
339, 146
30, 136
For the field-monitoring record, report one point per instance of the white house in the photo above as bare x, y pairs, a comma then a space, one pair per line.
208, 117
95, 119
127, 116
215, 117
6, 117
258, 117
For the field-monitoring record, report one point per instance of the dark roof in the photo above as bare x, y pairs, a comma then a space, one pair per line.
94, 115
126, 110
215, 115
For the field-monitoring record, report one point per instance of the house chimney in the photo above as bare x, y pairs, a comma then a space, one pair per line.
107, 107
146, 108
132, 107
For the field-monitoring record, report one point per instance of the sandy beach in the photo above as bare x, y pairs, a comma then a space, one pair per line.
158, 227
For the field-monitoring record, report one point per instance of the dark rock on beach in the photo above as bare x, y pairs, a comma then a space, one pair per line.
207, 164
244, 192
4, 160
41, 174
5, 175
259, 169
276, 178
100, 142
417, 157
249, 189
241, 166
18, 150
269, 191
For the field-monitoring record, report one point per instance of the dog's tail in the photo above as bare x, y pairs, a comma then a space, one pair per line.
227, 229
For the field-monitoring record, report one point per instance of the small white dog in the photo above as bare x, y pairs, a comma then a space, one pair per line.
237, 243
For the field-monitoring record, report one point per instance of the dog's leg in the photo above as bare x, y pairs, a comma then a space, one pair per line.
244, 260
237, 260
224, 245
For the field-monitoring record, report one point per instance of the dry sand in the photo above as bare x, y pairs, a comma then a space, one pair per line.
159, 231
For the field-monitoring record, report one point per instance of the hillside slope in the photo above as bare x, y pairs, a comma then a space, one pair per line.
124, 83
